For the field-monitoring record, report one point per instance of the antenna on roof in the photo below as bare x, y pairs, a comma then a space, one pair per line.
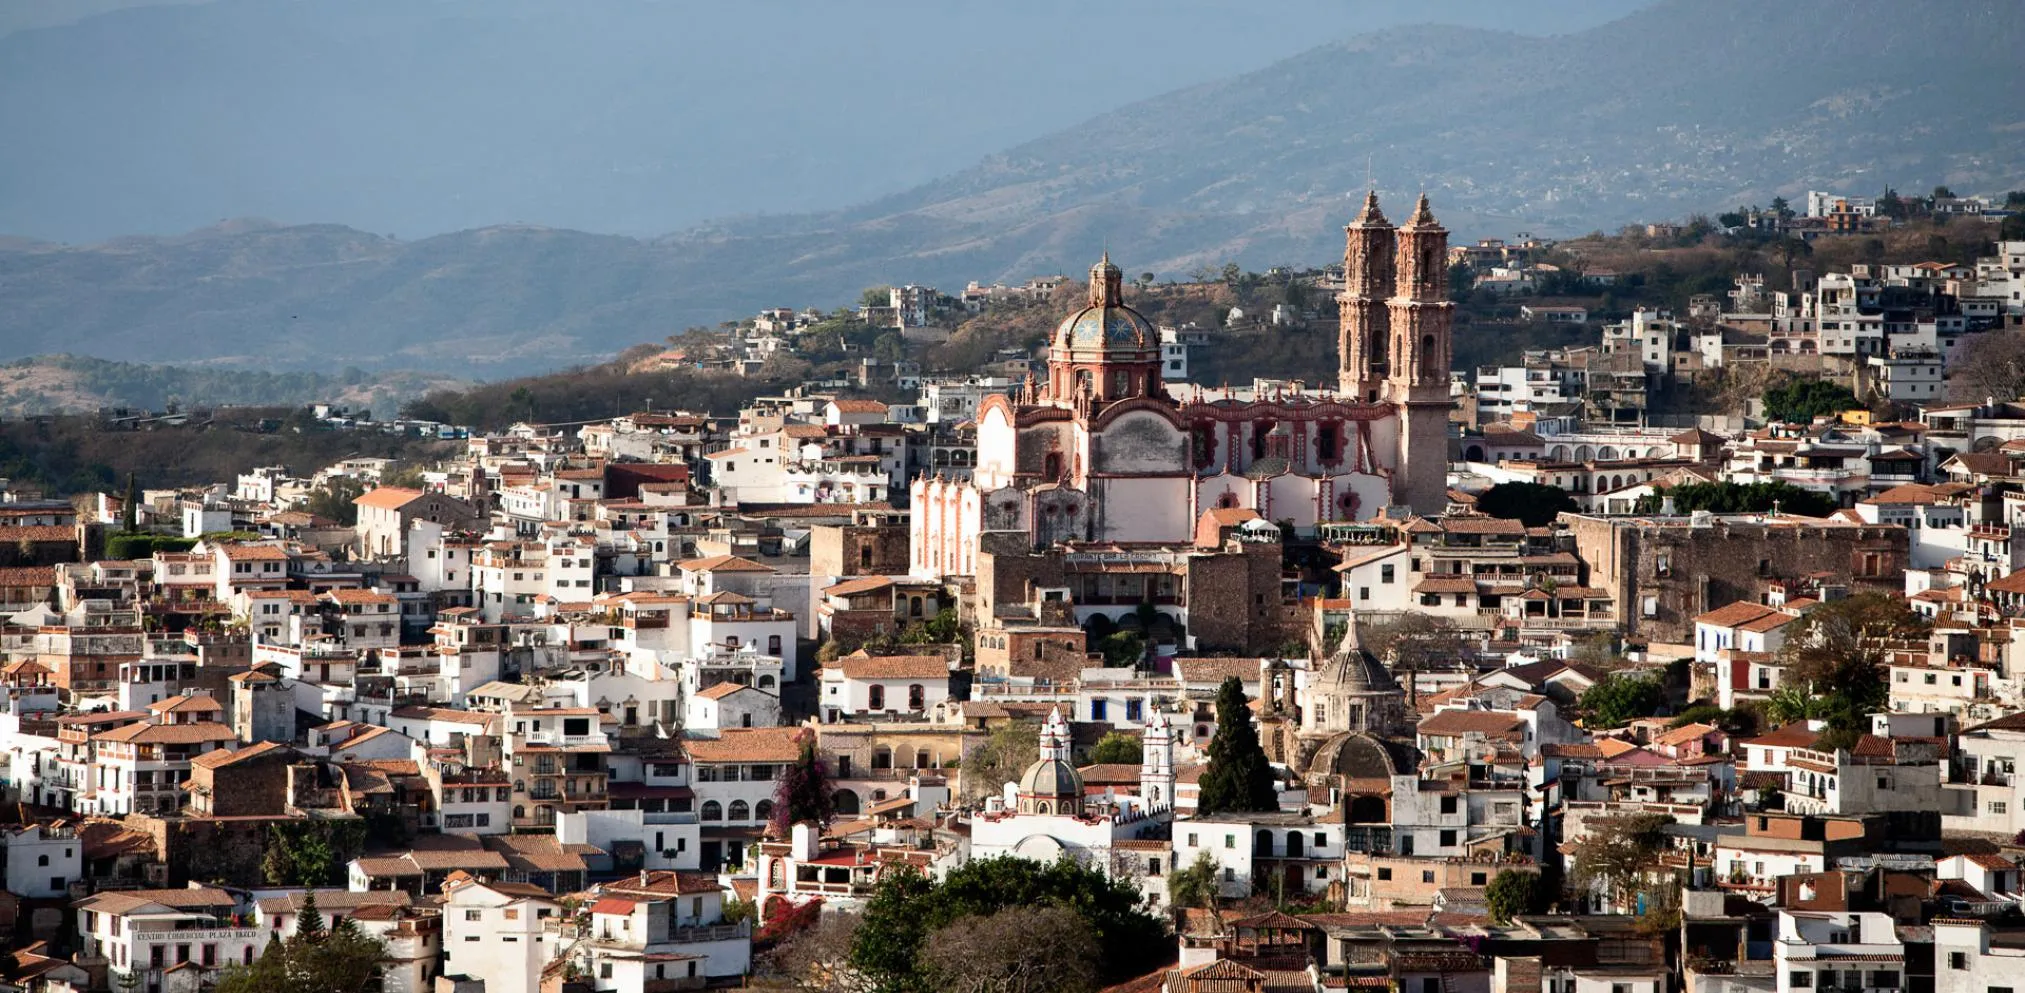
1369, 183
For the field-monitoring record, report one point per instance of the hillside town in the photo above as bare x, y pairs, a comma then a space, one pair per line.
1400, 676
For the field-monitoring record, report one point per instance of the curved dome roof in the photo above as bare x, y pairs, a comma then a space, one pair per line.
1361, 756
1106, 323
1051, 778
1351, 669
1107, 327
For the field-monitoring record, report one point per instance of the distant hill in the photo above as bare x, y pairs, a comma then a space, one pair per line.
1686, 105
49, 384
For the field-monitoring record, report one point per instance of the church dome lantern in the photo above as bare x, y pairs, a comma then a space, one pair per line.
1106, 351
1051, 785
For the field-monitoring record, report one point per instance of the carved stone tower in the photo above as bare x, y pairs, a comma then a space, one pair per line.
1362, 306
1421, 316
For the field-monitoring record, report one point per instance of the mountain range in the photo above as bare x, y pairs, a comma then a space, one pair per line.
1685, 105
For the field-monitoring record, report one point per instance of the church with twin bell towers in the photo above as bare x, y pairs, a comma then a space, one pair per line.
1103, 451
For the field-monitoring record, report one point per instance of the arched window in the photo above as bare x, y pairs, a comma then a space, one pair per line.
1265, 845
766, 682
712, 811
1124, 382
844, 802
1293, 844
519, 813
1227, 501
917, 697
882, 757
763, 810
1041, 807
914, 606
876, 697
42, 860
740, 811
1328, 442
1051, 466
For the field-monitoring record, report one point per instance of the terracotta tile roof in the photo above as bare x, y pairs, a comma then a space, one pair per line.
168, 734
354, 598
723, 563
852, 587
747, 745
1446, 584
126, 901
535, 853
219, 758
891, 667
1208, 670
1736, 614
253, 553
661, 883
722, 690
387, 498
37, 533
28, 576
1795, 735
201, 703
860, 406
1489, 723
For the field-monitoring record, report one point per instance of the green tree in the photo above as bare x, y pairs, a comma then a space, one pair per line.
1003, 755
1533, 504
311, 853
890, 944
334, 500
1195, 886
1723, 497
311, 923
804, 793
1123, 648
1239, 779
130, 507
1117, 748
1621, 699
1800, 401
340, 959
1833, 658
876, 296
1781, 207
1616, 852
1512, 893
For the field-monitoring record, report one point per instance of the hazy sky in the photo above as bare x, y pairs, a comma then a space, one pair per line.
626, 116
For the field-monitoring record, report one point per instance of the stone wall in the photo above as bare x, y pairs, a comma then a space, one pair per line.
858, 550
1686, 570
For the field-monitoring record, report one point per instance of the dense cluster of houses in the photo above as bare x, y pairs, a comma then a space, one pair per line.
539, 699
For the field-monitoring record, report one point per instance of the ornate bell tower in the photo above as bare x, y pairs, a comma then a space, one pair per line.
1362, 306
1156, 766
1421, 317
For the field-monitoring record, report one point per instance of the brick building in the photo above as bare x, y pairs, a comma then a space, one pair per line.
1663, 571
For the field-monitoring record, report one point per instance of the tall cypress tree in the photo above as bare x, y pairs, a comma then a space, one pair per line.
130, 509
1238, 778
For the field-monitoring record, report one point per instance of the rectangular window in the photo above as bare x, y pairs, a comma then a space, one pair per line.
1384, 874
1801, 979
1427, 875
